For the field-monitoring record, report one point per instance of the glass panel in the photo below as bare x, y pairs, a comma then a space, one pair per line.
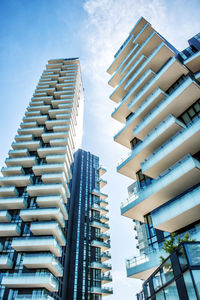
147, 290
157, 281
191, 112
186, 118
171, 292
182, 258
197, 107
160, 296
189, 286
167, 272
196, 275
193, 253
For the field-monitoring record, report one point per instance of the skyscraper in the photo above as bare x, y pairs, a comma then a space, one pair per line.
157, 89
88, 238
35, 189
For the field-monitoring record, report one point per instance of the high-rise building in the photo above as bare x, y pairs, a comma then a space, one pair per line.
88, 238
157, 91
35, 191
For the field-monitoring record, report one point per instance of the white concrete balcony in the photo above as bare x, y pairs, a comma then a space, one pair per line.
31, 280
9, 229
5, 216
104, 219
46, 151
49, 228
58, 142
131, 164
53, 201
121, 111
99, 208
48, 91
106, 278
181, 176
16, 180
118, 74
60, 158
50, 124
47, 190
103, 203
61, 128
25, 162
125, 134
46, 137
8, 191
122, 53
57, 111
32, 113
41, 108
39, 119
43, 261
39, 170
193, 62
102, 171
45, 99
24, 138
154, 61
30, 145
57, 178
36, 103
46, 77
102, 183
183, 142
6, 263
100, 266
104, 236
68, 102
18, 153
54, 65
141, 267
169, 73
104, 291
99, 194
28, 124
100, 244
105, 256
181, 211
37, 244
98, 224
13, 203
42, 214
187, 93
35, 131
9, 171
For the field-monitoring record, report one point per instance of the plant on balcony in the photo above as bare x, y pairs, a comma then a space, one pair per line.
171, 244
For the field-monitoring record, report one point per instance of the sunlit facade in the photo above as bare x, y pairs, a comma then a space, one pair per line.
36, 191
157, 91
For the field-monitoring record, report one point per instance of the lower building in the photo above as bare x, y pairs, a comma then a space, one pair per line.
87, 270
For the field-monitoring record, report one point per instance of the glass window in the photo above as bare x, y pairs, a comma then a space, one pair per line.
189, 286
160, 296
167, 272
196, 275
182, 258
157, 281
171, 292
146, 289
193, 252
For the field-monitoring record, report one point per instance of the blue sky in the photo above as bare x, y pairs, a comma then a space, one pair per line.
31, 32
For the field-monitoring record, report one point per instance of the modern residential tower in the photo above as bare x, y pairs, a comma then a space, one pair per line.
157, 91
39, 198
88, 238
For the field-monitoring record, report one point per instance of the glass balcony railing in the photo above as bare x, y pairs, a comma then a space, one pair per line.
28, 280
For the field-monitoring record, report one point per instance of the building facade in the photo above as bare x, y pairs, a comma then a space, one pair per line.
35, 187
88, 238
157, 91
